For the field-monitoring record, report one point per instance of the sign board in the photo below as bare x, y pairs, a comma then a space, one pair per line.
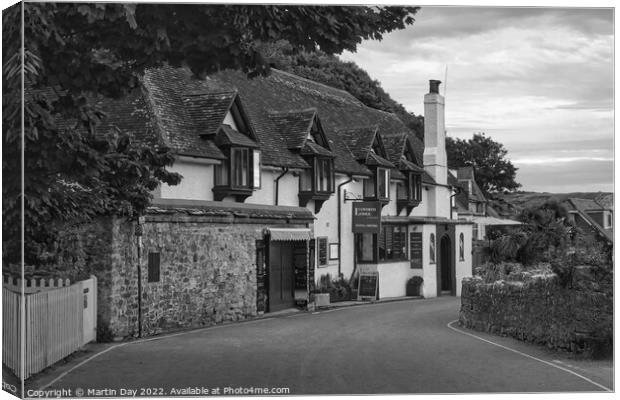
415, 249
367, 286
366, 217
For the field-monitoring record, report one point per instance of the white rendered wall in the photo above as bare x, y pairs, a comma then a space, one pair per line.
196, 184
463, 268
429, 271
393, 277
390, 208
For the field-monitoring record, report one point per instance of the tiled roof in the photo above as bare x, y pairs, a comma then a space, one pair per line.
358, 139
465, 173
165, 88
374, 159
207, 111
311, 148
585, 205
294, 125
228, 136
176, 110
426, 178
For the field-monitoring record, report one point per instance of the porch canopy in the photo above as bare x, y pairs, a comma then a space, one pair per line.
495, 221
288, 234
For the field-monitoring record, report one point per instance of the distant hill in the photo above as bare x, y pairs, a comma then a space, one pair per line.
510, 205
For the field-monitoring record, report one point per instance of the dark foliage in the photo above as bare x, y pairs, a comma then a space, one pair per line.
494, 173
76, 51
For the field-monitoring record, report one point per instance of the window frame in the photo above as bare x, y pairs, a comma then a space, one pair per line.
403, 234
359, 246
374, 183
432, 247
251, 162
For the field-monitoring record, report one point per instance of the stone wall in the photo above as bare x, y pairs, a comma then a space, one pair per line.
577, 316
207, 271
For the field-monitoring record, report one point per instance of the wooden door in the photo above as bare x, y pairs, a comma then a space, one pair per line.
281, 276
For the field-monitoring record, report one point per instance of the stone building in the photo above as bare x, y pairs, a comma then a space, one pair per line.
271, 169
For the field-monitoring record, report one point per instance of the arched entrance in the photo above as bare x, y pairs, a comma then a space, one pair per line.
445, 260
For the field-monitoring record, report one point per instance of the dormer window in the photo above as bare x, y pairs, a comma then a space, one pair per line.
317, 183
409, 192
239, 174
378, 186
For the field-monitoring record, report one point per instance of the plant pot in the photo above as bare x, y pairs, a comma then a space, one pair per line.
413, 289
321, 300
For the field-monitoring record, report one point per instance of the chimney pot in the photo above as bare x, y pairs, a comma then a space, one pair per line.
434, 86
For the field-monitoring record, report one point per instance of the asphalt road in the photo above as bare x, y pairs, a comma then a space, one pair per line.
386, 348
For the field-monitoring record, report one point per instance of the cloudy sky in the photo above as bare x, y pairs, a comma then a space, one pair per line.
538, 80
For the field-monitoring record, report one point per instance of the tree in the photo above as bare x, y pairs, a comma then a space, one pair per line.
75, 52
493, 172
330, 70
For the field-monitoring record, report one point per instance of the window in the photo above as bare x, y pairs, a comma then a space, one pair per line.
383, 183
393, 243
365, 247
609, 221
322, 250
240, 166
318, 183
475, 231
238, 175
256, 168
432, 249
242, 170
153, 267
461, 247
378, 186
324, 176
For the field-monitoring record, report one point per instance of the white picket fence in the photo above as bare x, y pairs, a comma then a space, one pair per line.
33, 285
58, 322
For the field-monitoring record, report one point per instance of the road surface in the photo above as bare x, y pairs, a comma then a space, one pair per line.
385, 348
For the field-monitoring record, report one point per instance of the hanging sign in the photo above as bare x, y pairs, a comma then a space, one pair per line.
367, 217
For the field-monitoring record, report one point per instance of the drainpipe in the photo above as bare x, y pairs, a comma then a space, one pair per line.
340, 224
284, 172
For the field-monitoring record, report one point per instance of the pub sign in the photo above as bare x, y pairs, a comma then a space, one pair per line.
367, 217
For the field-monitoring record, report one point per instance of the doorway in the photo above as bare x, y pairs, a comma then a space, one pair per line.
281, 276
445, 259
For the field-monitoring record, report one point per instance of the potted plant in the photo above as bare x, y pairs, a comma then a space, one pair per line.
413, 285
321, 294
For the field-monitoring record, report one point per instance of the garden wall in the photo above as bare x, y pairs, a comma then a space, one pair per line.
574, 313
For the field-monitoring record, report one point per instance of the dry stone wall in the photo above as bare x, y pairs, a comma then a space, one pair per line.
576, 317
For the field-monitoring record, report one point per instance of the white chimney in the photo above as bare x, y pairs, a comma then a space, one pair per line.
435, 159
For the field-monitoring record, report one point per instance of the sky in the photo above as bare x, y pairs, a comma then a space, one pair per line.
537, 80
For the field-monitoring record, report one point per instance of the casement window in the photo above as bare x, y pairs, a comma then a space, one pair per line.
393, 243
378, 186
324, 175
317, 183
461, 247
432, 252
366, 247
239, 175
411, 189
242, 169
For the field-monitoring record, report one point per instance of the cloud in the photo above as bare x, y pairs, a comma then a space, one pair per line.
530, 77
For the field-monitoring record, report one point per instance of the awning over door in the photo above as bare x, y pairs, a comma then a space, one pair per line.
289, 234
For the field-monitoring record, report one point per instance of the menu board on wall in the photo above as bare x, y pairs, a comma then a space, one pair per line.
415, 249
